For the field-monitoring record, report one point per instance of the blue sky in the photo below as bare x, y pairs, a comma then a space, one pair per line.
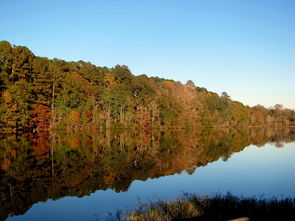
244, 47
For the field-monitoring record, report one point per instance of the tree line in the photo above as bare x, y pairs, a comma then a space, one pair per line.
37, 93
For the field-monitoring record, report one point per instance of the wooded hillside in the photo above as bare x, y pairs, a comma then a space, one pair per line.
37, 93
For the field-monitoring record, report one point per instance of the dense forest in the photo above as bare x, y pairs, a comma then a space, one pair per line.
37, 93
37, 167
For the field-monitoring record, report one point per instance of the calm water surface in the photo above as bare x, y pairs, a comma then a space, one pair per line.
73, 176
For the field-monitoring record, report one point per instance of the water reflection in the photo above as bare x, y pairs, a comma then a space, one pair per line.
38, 167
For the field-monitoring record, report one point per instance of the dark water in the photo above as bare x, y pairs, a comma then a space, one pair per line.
83, 176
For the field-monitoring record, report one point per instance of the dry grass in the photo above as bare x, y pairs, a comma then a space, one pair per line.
164, 211
220, 207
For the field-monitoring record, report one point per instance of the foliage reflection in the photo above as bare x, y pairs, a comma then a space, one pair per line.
42, 166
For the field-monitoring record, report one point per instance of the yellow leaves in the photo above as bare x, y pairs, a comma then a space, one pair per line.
7, 97
109, 79
74, 117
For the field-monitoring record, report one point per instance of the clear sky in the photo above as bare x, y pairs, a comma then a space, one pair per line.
243, 47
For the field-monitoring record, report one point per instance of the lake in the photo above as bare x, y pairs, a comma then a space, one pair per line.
68, 175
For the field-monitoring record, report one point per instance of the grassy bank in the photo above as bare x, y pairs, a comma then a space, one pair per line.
220, 207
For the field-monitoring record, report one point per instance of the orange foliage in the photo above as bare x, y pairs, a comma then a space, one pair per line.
41, 117
41, 144
5, 164
7, 97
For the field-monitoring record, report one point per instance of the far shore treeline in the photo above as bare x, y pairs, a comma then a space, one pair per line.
37, 93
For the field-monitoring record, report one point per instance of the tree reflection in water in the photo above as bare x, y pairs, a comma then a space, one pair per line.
42, 166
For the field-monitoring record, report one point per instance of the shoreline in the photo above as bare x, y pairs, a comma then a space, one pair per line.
192, 207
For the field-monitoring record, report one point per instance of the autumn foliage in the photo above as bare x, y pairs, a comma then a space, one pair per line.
41, 117
37, 93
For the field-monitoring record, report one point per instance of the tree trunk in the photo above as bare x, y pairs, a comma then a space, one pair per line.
52, 105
